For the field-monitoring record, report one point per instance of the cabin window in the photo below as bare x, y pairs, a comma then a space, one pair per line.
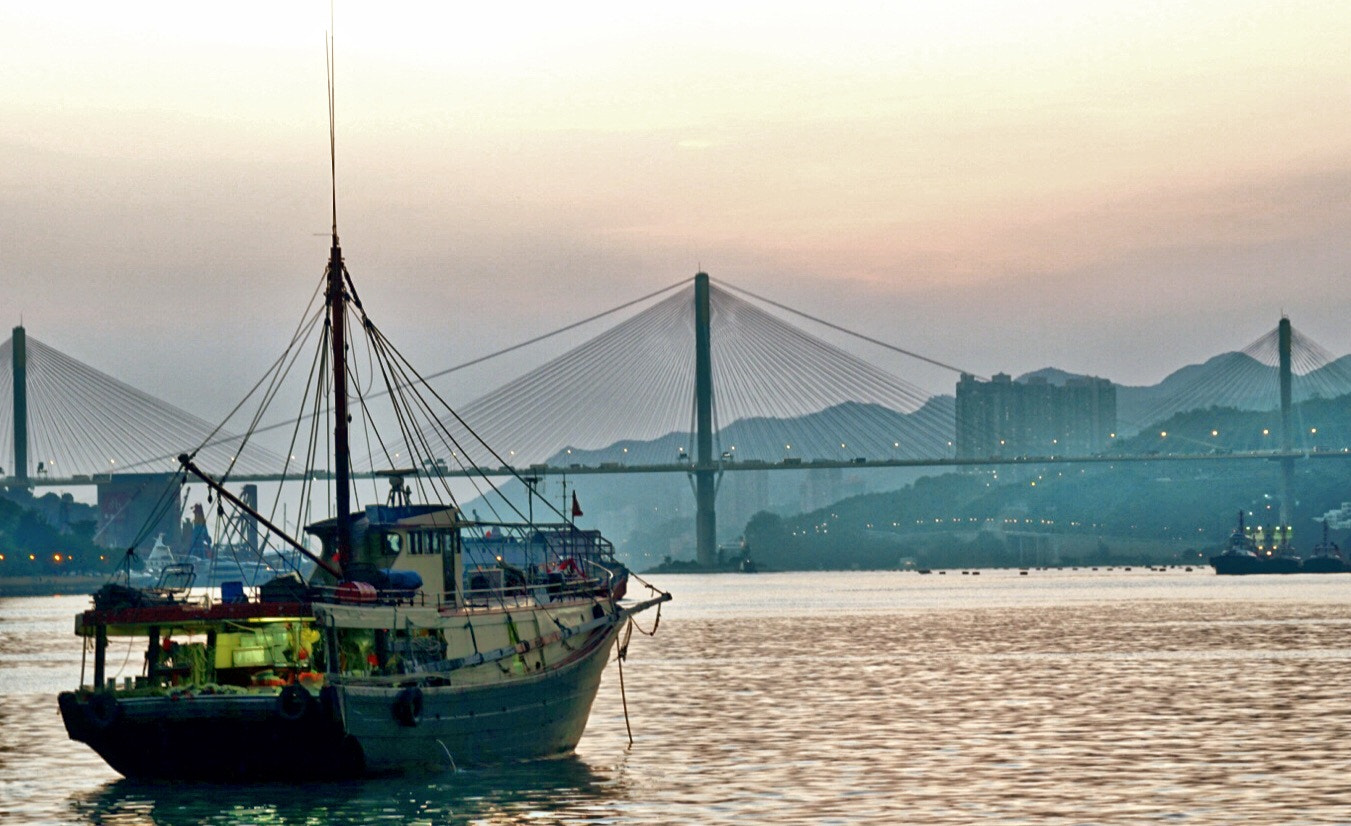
429, 542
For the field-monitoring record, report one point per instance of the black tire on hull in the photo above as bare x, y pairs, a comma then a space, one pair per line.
293, 703
102, 710
408, 706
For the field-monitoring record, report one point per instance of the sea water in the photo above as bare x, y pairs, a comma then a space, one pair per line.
1054, 697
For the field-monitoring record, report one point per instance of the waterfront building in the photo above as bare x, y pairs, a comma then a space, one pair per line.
1002, 417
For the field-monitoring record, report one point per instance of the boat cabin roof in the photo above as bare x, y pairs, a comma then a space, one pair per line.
392, 516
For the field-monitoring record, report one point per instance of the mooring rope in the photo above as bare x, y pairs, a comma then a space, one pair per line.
621, 655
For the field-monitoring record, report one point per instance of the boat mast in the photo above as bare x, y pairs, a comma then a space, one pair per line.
337, 308
337, 305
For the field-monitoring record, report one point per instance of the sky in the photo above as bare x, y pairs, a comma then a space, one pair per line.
1111, 188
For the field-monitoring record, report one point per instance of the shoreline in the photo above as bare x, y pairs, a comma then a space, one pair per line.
50, 586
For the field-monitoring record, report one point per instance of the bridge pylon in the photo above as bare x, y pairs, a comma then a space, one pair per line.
705, 469
19, 351
1283, 338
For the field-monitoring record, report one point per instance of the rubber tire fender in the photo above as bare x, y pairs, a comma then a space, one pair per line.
103, 710
408, 706
293, 702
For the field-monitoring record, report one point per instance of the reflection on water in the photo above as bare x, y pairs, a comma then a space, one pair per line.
854, 698
549, 790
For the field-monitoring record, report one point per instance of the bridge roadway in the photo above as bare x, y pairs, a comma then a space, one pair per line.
786, 464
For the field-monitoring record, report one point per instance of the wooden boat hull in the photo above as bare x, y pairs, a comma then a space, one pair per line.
534, 716
346, 730
220, 738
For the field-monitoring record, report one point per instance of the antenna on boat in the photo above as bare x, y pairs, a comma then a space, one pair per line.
332, 127
337, 305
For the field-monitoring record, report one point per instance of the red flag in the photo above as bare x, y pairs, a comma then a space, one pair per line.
576, 508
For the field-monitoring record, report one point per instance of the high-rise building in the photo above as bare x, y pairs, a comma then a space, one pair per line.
1003, 417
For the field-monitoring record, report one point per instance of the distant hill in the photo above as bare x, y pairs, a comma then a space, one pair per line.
652, 516
865, 430
1134, 513
1051, 375
1229, 380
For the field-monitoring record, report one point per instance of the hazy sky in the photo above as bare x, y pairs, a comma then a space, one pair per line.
1116, 188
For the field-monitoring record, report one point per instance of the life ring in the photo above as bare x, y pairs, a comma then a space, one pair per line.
103, 710
293, 702
408, 706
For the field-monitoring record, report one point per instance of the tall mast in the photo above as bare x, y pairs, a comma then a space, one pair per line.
337, 306
337, 309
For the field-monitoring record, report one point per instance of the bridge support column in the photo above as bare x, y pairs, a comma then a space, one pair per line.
705, 472
1287, 426
19, 347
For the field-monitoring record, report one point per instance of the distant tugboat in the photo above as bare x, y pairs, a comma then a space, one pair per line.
1326, 557
1239, 555
1277, 556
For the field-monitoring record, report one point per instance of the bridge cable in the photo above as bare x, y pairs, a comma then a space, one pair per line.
847, 331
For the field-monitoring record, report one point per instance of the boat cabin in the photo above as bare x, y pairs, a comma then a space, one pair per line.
391, 541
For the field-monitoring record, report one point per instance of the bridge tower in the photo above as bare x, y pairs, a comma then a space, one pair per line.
19, 346
705, 469
1287, 425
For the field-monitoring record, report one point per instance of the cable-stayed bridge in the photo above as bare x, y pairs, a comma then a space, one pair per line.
706, 379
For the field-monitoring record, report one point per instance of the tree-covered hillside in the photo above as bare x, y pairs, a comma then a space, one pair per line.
48, 535
1159, 512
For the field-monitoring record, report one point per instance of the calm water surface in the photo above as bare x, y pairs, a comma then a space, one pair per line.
1057, 697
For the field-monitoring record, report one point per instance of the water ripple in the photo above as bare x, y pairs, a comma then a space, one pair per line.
1050, 700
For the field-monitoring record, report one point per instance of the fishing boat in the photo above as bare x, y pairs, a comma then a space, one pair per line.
1326, 557
1240, 554
422, 638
